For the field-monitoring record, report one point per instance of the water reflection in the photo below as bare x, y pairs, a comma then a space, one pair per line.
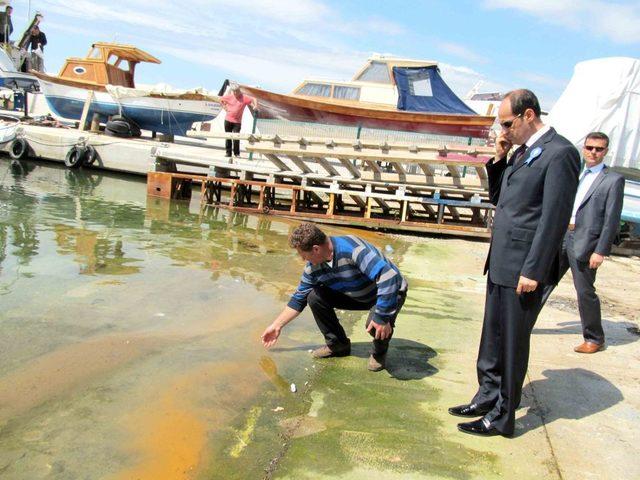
129, 344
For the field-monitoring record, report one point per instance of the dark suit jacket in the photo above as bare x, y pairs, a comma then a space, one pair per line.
598, 217
533, 207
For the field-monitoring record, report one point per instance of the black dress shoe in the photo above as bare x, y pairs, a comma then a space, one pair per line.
469, 410
478, 427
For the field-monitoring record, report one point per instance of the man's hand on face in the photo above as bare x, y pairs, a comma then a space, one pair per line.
526, 285
502, 147
382, 332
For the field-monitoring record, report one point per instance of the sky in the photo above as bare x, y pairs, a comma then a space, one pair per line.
275, 44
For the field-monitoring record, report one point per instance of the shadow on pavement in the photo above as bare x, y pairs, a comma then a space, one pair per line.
573, 394
616, 333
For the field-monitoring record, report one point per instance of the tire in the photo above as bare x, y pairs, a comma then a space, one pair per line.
118, 128
75, 157
90, 155
19, 149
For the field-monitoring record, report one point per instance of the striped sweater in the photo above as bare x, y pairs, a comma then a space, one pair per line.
358, 270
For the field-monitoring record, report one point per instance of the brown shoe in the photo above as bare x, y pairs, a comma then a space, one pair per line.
377, 362
589, 347
336, 350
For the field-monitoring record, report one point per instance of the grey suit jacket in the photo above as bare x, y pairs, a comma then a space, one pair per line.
533, 207
598, 217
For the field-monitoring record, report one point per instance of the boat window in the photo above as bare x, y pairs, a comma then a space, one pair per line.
315, 90
377, 72
420, 84
346, 93
113, 59
95, 53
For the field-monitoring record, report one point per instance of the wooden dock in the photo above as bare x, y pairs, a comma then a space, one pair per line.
436, 188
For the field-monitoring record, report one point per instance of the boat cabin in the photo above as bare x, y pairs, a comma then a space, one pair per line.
106, 64
373, 83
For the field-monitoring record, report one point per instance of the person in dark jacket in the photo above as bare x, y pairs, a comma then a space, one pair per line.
6, 25
533, 192
37, 39
35, 44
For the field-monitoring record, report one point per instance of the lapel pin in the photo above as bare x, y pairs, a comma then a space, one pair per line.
535, 153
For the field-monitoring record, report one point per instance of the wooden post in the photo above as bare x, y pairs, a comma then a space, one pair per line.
332, 203
95, 122
85, 111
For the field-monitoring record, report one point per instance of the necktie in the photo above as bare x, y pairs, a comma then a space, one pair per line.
517, 155
586, 172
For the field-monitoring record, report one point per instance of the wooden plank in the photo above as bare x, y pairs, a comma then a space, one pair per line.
433, 156
304, 168
453, 170
277, 162
351, 144
350, 167
332, 203
327, 166
85, 111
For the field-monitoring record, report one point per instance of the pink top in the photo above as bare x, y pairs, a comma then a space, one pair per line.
235, 106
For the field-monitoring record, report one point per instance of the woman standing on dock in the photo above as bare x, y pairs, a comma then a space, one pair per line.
234, 104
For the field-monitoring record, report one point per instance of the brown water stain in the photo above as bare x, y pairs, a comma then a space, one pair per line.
170, 435
60, 372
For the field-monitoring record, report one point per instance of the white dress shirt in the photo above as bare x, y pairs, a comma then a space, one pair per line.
587, 178
536, 136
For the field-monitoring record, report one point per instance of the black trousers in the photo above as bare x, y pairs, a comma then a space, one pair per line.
584, 279
234, 128
323, 301
503, 356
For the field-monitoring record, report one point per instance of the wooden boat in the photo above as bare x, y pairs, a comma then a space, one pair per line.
388, 93
93, 78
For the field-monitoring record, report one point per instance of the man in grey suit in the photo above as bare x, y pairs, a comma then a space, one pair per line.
594, 224
533, 192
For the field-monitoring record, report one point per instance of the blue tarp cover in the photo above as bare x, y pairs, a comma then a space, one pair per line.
421, 89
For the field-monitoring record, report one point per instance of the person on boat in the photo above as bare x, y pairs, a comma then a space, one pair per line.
594, 224
346, 273
533, 191
35, 45
6, 25
234, 104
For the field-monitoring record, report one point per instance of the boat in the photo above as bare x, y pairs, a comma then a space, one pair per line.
8, 126
12, 79
101, 79
387, 93
12, 57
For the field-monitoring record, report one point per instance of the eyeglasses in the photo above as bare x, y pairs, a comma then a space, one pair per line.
591, 148
507, 125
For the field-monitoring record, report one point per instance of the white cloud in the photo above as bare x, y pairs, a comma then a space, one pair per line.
542, 80
614, 20
462, 52
462, 79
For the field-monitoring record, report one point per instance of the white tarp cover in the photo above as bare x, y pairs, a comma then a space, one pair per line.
160, 89
603, 95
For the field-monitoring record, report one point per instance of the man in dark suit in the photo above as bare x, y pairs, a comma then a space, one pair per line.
533, 192
594, 224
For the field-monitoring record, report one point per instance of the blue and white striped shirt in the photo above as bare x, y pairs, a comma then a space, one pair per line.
358, 270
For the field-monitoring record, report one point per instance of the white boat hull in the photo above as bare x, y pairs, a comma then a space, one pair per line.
166, 115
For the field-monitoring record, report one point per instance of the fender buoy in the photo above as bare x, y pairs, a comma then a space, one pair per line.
18, 149
75, 157
90, 155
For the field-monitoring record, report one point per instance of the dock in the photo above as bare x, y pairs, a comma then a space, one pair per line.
428, 187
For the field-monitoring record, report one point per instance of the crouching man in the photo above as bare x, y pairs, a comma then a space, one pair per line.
346, 273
